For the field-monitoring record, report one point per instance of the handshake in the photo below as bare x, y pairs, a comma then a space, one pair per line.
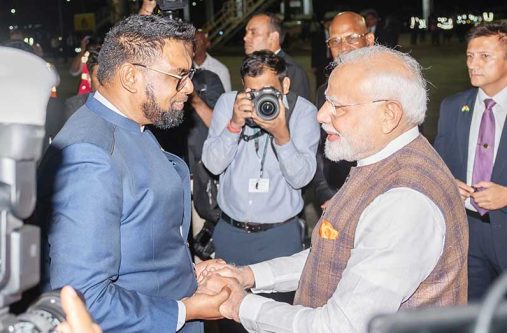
221, 289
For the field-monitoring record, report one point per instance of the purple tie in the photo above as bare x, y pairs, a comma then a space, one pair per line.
483, 164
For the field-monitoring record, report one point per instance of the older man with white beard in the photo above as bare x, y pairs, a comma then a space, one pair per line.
394, 236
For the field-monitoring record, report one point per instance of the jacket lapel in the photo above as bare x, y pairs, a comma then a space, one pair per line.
463, 127
501, 157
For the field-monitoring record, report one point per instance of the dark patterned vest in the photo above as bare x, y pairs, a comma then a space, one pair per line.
416, 166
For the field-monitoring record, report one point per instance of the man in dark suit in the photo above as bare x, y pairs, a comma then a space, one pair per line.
347, 32
264, 32
472, 140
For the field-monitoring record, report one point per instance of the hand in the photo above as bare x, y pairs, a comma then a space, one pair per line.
276, 127
324, 205
84, 43
205, 306
464, 190
78, 319
243, 109
230, 308
208, 265
212, 283
243, 274
490, 196
148, 7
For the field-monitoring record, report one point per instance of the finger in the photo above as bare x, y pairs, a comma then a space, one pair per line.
483, 184
63, 328
76, 313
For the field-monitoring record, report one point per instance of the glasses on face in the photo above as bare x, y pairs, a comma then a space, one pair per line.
350, 39
339, 107
182, 79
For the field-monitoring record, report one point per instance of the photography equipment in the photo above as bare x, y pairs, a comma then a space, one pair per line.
266, 102
168, 7
203, 242
489, 316
22, 122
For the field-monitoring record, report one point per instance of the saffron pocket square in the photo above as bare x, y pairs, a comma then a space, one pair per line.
327, 231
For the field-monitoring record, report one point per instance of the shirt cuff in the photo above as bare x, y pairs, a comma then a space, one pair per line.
249, 310
230, 137
263, 277
182, 314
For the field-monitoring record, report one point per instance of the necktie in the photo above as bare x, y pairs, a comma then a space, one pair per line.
483, 164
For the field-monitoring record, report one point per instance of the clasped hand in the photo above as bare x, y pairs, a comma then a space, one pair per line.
213, 276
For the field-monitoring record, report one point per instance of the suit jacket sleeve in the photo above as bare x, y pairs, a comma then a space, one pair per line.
299, 81
85, 247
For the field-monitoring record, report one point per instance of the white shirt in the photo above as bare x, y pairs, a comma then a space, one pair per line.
500, 113
398, 242
182, 310
215, 66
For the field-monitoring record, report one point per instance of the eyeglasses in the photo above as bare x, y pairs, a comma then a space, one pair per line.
338, 107
182, 79
350, 39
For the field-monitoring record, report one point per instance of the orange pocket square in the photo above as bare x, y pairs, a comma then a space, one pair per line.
327, 231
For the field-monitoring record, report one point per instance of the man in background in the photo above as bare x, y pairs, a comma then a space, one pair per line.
347, 32
264, 32
471, 140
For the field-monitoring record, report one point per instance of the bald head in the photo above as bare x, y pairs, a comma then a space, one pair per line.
348, 32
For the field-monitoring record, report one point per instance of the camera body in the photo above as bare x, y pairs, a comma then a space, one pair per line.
170, 5
266, 102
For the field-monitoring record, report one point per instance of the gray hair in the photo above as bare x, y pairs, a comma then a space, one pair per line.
381, 83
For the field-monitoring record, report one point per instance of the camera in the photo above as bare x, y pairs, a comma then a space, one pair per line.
203, 242
266, 102
43, 316
21, 137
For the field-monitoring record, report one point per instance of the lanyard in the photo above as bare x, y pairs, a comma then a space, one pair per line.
263, 158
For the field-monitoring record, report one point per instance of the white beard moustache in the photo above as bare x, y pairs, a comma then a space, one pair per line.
339, 150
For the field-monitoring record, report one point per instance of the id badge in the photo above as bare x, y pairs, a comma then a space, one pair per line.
258, 185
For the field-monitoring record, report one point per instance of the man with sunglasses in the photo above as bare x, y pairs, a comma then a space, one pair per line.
393, 238
113, 206
347, 32
263, 164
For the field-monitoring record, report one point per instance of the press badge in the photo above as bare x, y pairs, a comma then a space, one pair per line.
258, 185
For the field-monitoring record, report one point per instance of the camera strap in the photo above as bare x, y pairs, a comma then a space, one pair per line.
256, 134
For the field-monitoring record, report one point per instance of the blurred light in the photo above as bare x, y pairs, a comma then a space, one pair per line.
417, 23
28, 40
11, 27
488, 17
60, 38
194, 4
221, 33
77, 49
446, 23
13, 11
68, 0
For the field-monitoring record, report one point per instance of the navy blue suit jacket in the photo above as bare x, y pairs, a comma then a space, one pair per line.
115, 214
452, 145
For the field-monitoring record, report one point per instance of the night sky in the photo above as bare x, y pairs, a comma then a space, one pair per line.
45, 13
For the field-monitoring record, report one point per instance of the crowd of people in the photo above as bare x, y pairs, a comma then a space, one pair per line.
404, 225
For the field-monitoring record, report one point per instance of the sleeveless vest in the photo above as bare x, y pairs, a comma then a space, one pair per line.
416, 166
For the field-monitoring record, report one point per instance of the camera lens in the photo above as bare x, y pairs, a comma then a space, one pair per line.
43, 316
267, 108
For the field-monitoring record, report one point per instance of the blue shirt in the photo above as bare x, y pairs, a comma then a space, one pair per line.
288, 167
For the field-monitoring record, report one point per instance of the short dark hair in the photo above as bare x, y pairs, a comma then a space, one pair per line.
139, 39
275, 23
257, 62
497, 28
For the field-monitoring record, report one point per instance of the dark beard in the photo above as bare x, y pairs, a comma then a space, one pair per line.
158, 117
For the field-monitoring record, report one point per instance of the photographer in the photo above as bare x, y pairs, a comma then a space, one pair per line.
263, 164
